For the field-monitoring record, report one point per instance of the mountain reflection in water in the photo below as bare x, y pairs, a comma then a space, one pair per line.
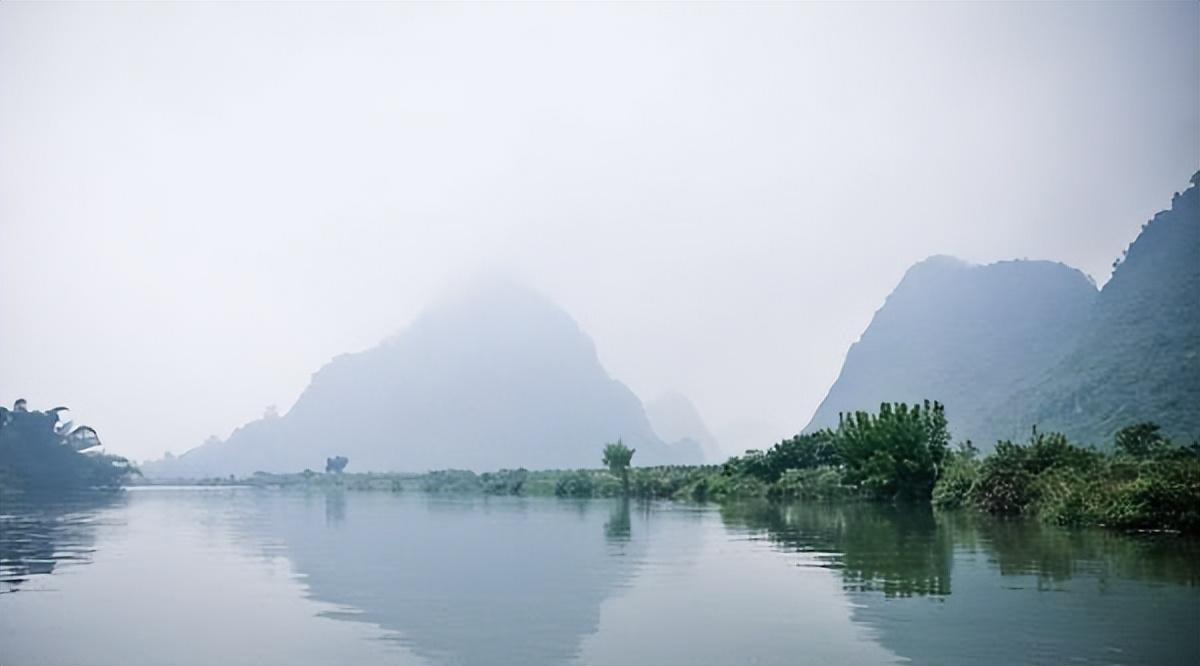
253, 576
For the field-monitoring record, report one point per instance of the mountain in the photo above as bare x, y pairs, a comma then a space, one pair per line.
675, 419
494, 377
969, 336
1139, 356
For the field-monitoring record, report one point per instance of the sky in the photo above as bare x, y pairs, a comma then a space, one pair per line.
201, 204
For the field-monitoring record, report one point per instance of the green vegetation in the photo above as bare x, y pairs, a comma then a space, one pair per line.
899, 455
1145, 483
1138, 358
40, 454
617, 458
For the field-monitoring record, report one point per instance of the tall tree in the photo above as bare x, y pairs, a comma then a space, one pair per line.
617, 458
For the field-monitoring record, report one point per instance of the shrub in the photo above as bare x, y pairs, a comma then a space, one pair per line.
574, 484
451, 481
504, 482
896, 454
953, 488
1164, 495
1005, 484
810, 484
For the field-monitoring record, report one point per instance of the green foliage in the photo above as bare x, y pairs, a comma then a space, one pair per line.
451, 481
896, 454
574, 484
504, 482
808, 451
821, 483
728, 487
1147, 484
1005, 484
901, 453
1011, 480
1141, 441
617, 458
38, 454
953, 488
1163, 495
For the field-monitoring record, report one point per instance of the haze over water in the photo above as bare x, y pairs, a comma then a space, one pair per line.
241, 575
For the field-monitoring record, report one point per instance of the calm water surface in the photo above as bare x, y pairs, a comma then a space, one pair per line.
249, 576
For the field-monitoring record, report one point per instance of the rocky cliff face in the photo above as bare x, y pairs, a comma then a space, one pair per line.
494, 377
1138, 358
1021, 343
968, 336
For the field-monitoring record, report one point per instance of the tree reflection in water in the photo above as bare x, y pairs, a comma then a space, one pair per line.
896, 550
40, 534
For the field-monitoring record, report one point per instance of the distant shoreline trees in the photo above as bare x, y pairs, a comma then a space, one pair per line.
617, 458
336, 464
40, 453
901, 453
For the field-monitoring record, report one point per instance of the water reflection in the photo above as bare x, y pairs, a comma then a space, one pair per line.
1056, 595
335, 506
619, 527
461, 580
1056, 555
897, 550
502, 580
904, 551
39, 535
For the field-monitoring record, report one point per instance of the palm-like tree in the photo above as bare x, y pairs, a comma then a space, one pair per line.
617, 458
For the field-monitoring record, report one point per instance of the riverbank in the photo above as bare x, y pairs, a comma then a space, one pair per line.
1044, 481
901, 454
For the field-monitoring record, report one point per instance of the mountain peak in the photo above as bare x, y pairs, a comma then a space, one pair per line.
492, 376
967, 339
1016, 343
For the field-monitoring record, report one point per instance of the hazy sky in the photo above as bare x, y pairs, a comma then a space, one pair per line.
201, 204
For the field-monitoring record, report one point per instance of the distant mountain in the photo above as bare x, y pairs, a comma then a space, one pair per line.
1013, 344
676, 419
969, 336
495, 377
1139, 356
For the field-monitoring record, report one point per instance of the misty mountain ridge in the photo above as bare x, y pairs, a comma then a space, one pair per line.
1138, 358
675, 418
967, 335
498, 376
1012, 344
495, 376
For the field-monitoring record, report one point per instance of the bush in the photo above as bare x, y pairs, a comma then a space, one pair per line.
1147, 484
953, 488
1068, 497
1165, 495
1005, 484
451, 481
810, 484
574, 484
504, 482
896, 454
